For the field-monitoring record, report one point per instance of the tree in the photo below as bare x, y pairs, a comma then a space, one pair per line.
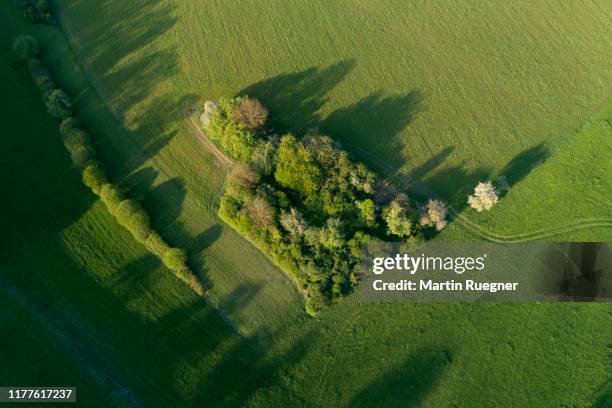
250, 113
484, 198
58, 104
367, 212
331, 236
25, 46
112, 196
263, 157
260, 212
293, 222
94, 176
175, 259
396, 217
134, 218
296, 168
434, 215
242, 175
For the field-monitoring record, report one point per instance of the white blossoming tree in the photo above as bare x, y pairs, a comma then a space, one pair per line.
484, 198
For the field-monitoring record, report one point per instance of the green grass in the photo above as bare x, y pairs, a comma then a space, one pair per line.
567, 197
454, 82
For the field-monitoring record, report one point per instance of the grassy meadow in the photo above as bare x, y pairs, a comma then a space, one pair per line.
434, 94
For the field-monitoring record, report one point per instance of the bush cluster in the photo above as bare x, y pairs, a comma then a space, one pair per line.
129, 213
35, 11
303, 201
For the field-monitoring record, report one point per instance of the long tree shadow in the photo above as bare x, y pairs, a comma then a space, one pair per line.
132, 120
370, 128
523, 163
407, 385
294, 99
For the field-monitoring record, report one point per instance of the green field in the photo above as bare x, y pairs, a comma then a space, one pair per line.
443, 94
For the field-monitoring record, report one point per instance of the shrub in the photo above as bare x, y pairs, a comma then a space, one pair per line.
434, 215
25, 46
44, 82
175, 259
58, 104
111, 196
231, 137
75, 138
68, 125
134, 218
250, 113
81, 155
156, 244
484, 198
35, 11
94, 176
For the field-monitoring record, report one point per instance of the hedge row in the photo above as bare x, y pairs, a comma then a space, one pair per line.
129, 213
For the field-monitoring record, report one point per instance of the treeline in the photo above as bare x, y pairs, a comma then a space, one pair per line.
305, 203
128, 212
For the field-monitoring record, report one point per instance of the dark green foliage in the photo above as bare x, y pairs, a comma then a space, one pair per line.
133, 217
35, 11
26, 46
94, 176
112, 196
58, 103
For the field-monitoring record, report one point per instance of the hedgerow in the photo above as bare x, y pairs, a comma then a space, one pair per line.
129, 213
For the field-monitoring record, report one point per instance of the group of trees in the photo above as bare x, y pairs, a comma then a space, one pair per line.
129, 213
35, 11
304, 202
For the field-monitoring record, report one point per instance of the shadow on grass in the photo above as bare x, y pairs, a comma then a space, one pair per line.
294, 99
368, 129
407, 385
126, 71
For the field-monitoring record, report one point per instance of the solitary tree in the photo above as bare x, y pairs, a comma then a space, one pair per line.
250, 113
484, 198
25, 46
434, 215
